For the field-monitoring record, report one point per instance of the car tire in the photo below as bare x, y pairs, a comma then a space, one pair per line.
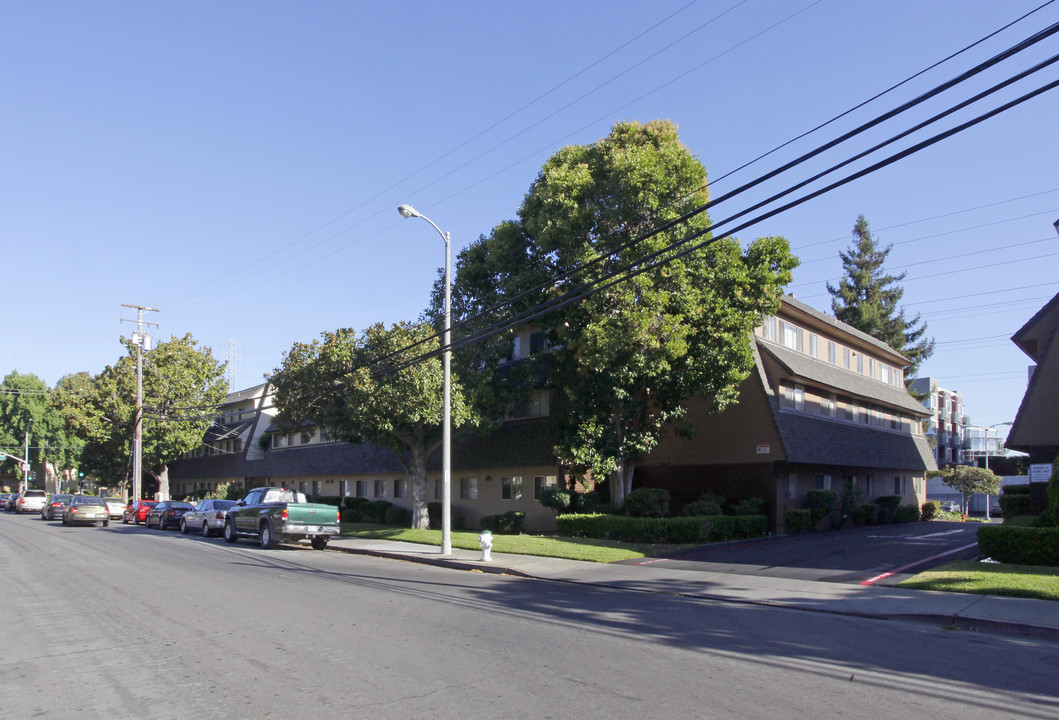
267, 535
106, 523
183, 527
319, 542
206, 532
124, 520
229, 532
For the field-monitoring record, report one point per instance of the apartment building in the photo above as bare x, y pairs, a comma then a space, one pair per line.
825, 406
946, 425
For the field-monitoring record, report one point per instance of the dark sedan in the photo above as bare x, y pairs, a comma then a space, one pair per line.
167, 514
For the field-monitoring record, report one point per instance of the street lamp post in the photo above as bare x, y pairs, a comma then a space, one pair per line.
996, 425
408, 211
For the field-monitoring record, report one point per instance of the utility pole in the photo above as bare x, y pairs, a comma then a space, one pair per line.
25, 461
141, 342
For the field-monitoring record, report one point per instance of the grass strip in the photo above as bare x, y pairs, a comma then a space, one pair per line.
585, 549
970, 576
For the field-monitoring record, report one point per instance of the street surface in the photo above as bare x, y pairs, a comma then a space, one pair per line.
132, 623
885, 554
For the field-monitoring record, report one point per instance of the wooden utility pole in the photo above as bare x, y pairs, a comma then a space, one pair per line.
142, 342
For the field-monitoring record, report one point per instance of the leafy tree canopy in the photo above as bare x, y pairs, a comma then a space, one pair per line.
969, 480
868, 299
27, 403
623, 360
362, 387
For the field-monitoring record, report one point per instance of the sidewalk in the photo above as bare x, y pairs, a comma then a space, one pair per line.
1037, 617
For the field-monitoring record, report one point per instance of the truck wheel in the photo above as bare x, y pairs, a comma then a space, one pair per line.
229, 532
267, 535
319, 542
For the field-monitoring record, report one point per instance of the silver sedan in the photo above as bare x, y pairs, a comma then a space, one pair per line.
208, 516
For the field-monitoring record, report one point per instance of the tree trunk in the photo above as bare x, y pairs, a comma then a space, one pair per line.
417, 476
163, 482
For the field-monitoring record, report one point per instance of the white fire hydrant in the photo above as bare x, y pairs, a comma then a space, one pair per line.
486, 541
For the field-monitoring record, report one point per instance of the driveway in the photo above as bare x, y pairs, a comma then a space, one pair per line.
882, 555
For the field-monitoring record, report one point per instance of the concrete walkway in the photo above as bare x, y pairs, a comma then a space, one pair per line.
983, 612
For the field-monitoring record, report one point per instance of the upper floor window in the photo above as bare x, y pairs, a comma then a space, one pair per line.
831, 352
812, 345
845, 357
768, 327
793, 396
792, 336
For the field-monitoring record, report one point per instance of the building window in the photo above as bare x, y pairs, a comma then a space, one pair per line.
860, 364
792, 485
399, 488
845, 357
542, 483
885, 374
792, 336
793, 396
823, 482
362, 488
899, 485
831, 352
768, 328
468, 488
439, 489
279, 440
853, 411
511, 488
867, 486
828, 404
380, 488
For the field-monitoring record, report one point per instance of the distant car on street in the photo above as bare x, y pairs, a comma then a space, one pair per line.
53, 508
86, 510
951, 507
30, 501
116, 506
208, 516
167, 514
136, 511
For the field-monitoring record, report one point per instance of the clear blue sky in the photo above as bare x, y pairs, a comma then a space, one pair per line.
238, 164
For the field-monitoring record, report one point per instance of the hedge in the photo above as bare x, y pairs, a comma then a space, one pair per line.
908, 513
509, 523
821, 503
799, 521
1020, 545
1017, 504
930, 509
709, 528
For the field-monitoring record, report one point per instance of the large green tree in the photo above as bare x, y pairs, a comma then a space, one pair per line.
182, 385
622, 361
369, 386
28, 405
868, 298
969, 480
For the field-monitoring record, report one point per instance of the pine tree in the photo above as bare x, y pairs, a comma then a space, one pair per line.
868, 299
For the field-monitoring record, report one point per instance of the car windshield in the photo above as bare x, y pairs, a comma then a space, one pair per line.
279, 496
182, 505
89, 500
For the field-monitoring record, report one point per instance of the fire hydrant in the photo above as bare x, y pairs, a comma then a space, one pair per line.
486, 541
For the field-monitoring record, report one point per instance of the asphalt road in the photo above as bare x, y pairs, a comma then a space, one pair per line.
884, 555
132, 623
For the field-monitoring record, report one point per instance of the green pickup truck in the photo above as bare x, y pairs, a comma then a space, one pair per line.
275, 515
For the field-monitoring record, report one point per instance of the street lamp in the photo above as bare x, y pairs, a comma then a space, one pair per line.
996, 425
407, 211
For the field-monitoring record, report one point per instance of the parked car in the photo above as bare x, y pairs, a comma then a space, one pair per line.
207, 516
136, 511
116, 506
951, 507
86, 510
274, 515
30, 501
167, 513
53, 508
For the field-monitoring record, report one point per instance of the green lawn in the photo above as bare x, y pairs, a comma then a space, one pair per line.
970, 576
588, 549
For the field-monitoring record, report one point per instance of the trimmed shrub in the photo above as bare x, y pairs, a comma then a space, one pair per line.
1016, 504
888, 505
822, 503
1015, 490
907, 514
334, 500
355, 503
647, 502
587, 503
510, 523
931, 508
397, 516
799, 521
556, 499
750, 506
633, 529
702, 506
350, 516
735, 527
1020, 545
375, 510
866, 514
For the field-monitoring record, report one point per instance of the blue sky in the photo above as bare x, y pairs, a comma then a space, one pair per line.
238, 164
